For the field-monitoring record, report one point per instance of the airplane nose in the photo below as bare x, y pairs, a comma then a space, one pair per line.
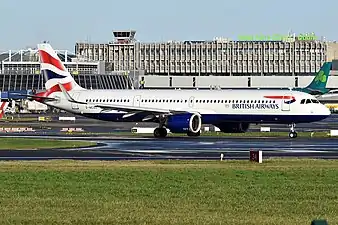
325, 110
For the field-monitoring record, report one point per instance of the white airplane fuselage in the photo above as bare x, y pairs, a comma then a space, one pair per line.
214, 106
180, 111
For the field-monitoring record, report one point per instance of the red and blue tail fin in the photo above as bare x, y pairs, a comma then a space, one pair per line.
54, 70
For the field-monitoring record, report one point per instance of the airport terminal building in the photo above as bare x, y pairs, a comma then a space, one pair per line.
123, 62
200, 64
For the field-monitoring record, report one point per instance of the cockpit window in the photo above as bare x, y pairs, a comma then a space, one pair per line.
308, 101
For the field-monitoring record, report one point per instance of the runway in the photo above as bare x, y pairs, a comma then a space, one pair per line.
178, 148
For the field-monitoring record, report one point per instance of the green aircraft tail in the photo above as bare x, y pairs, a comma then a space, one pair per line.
318, 84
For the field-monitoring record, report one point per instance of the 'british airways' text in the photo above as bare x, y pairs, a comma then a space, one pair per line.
255, 106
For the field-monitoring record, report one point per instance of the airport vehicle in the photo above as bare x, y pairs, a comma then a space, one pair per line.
181, 111
3, 107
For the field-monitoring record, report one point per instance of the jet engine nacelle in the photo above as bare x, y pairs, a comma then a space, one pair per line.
184, 123
233, 127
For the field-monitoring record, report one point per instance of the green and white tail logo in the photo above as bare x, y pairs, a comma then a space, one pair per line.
321, 78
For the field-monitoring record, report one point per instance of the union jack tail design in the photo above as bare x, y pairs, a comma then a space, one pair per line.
54, 71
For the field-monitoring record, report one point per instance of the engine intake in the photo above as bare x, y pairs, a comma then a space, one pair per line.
184, 123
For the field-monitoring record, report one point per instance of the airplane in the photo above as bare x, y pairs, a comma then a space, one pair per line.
318, 85
180, 111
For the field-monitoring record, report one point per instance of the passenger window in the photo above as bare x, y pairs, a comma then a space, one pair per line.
225, 101
308, 101
302, 101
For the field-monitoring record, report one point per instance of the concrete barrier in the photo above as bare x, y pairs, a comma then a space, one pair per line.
265, 129
144, 130
333, 132
67, 118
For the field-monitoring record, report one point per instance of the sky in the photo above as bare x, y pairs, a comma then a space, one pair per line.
62, 23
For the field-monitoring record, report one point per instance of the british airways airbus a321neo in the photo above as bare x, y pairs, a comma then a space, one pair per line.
180, 111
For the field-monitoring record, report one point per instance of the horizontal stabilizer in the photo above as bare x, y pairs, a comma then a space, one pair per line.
36, 96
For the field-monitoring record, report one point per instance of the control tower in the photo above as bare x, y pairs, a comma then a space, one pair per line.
124, 37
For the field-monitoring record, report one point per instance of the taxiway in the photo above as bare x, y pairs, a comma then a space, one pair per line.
206, 148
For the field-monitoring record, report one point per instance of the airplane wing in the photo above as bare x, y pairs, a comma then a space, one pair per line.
131, 110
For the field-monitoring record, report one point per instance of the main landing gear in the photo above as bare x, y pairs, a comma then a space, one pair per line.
293, 133
192, 134
160, 132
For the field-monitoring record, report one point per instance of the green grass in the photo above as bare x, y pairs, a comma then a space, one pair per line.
34, 143
169, 192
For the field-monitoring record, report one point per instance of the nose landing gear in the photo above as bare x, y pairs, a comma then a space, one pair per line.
293, 133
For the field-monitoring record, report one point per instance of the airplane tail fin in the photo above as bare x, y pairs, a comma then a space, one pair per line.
320, 80
54, 70
3, 107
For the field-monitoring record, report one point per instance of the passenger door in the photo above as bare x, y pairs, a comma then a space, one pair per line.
191, 101
137, 100
286, 102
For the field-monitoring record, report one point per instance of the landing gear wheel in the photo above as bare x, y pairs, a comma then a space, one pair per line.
160, 132
191, 134
292, 134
